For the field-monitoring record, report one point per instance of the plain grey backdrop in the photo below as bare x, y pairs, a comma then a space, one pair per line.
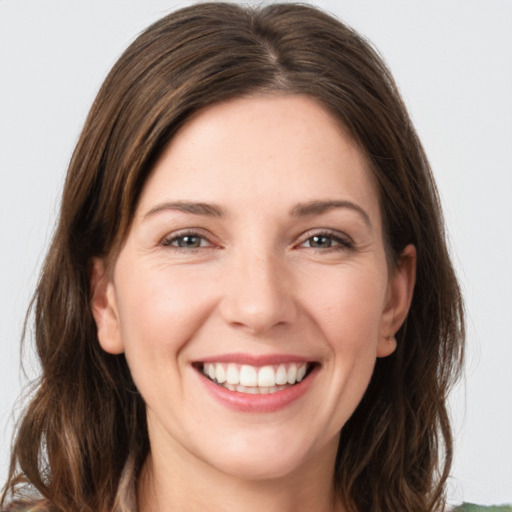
453, 63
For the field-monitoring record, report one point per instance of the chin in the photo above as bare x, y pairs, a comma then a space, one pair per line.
264, 456
261, 467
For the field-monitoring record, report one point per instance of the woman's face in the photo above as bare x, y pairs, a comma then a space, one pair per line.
256, 254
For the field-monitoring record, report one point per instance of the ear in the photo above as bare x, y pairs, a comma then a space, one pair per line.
398, 300
104, 308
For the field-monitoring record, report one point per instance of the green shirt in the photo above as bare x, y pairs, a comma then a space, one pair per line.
469, 507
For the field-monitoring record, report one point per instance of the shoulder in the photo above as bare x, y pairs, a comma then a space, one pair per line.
469, 507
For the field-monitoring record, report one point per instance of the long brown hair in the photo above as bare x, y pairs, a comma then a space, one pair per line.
83, 436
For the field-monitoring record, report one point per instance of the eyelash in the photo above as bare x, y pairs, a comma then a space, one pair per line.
337, 241
168, 241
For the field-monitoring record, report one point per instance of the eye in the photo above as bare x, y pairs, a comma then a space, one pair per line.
327, 241
186, 241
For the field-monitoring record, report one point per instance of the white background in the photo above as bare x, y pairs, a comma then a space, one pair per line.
453, 63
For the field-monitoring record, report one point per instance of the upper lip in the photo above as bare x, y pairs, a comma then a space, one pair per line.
256, 360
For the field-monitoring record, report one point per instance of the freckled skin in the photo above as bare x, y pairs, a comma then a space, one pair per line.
253, 280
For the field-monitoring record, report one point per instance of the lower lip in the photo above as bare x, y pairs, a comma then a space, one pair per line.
246, 402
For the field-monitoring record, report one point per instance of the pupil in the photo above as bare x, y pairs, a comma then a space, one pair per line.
189, 241
321, 241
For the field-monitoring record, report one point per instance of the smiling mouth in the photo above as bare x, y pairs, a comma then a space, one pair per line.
256, 380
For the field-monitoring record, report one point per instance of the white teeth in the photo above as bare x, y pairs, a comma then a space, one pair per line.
247, 389
248, 376
292, 374
255, 380
281, 375
220, 373
232, 375
267, 376
257, 390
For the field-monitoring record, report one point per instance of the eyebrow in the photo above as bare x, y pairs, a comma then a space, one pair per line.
300, 210
319, 207
207, 209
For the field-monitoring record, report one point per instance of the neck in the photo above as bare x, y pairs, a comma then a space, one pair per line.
193, 485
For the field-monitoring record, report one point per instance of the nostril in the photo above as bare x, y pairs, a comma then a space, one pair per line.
257, 315
256, 296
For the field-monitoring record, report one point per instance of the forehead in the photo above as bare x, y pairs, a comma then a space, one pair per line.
266, 152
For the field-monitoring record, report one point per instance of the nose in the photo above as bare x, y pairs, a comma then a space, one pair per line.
258, 295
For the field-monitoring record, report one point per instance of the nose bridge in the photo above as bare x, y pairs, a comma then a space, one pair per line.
258, 296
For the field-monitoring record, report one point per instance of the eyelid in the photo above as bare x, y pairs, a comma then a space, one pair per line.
343, 241
167, 240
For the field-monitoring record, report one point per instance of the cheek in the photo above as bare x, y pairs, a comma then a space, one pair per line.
159, 311
349, 308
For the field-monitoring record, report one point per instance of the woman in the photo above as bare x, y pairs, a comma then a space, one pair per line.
248, 291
